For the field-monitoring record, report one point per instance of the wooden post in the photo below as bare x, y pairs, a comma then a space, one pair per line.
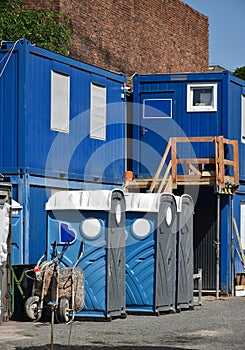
174, 163
236, 161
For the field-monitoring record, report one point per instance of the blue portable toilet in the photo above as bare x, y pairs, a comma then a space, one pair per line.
97, 219
17, 234
185, 264
151, 221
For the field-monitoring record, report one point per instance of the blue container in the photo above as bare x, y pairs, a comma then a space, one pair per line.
96, 218
84, 139
193, 104
151, 221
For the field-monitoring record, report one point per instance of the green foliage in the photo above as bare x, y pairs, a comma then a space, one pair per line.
45, 28
240, 72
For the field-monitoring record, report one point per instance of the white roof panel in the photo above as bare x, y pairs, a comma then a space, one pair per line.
80, 200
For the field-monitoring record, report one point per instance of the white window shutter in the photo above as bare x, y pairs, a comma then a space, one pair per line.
60, 102
98, 112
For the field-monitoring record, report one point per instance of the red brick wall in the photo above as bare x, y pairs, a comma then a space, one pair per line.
156, 36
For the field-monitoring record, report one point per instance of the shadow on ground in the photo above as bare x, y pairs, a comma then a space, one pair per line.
91, 347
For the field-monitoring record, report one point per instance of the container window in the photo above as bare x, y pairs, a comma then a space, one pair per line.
243, 118
201, 97
242, 224
60, 102
98, 112
157, 108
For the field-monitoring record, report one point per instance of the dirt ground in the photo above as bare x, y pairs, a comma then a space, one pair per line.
217, 324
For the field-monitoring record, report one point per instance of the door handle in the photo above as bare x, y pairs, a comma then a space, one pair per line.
143, 131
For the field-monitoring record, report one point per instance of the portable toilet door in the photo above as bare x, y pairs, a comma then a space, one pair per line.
185, 265
96, 218
150, 252
17, 234
166, 253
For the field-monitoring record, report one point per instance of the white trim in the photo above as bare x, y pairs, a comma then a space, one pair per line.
201, 108
60, 102
98, 112
243, 118
158, 99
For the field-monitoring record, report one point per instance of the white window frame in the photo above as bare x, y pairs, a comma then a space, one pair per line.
158, 99
191, 107
98, 112
60, 102
243, 118
242, 224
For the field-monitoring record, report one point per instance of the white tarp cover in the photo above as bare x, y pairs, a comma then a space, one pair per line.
4, 231
80, 200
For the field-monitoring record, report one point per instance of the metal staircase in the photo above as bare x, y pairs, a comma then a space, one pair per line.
221, 170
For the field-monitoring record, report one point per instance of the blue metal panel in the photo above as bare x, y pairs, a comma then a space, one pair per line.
8, 110
225, 248
236, 88
239, 198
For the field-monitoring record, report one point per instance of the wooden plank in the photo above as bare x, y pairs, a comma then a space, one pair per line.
196, 161
221, 161
194, 139
174, 163
165, 177
195, 170
163, 161
236, 161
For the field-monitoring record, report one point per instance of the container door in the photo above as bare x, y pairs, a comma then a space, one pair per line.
166, 254
116, 284
157, 126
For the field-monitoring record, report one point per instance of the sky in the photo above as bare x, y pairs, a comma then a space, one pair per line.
226, 30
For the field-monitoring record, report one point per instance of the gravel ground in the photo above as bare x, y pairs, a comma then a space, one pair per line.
217, 324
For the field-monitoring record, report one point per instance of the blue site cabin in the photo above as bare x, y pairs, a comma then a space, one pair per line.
200, 105
62, 126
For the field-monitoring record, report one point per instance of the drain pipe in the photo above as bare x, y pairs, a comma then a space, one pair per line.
218, 247
232, 247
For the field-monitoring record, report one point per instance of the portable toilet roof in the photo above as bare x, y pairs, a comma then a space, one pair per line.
16, 206
144, 202
81, 200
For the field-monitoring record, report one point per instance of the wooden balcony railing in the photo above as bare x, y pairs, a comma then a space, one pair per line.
220, 170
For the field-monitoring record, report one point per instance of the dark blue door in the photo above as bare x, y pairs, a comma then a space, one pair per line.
157, 126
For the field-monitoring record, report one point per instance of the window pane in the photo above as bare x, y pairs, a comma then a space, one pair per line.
203, 97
